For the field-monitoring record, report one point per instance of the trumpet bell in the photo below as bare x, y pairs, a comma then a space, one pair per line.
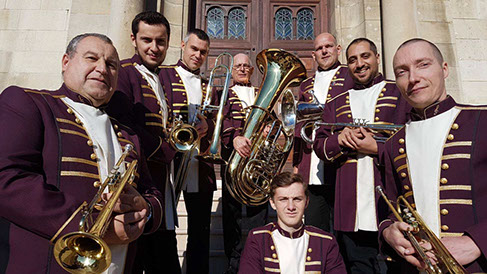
183, 138
81, 252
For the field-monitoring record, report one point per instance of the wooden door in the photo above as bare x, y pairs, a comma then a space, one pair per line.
249, 26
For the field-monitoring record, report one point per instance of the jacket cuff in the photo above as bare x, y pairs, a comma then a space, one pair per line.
477, 233
157, 214
332, 148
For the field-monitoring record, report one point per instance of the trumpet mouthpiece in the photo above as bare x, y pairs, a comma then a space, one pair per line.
128, 148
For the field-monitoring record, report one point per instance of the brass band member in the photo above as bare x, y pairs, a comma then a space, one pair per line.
331, 79
184, 89
55, 145
438, 160
147, 113
356, 154
241, 95
288, 246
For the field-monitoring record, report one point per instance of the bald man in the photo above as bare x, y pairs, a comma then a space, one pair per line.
241, 95
330, 79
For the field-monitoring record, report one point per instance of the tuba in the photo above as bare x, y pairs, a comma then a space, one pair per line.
248, 179
85, 251
406, 213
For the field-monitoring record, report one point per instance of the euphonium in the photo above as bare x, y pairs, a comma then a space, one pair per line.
249, 178
85, 251
446, 263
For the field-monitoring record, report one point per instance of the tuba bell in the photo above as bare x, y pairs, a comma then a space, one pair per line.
404, 212
85, 251
248, 179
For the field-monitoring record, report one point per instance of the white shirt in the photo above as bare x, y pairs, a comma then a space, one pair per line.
362, 105
108, 150
424, 145
291, 252
153, 81
245, 94
192, 84
320, 87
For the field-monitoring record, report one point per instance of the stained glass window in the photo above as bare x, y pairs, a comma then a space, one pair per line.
236, 24
284, 24
215, 23
305, 25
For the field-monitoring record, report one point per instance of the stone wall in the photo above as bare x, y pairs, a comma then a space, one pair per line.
34, 35
176, 12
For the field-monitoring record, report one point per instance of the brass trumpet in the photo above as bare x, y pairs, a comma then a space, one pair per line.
85, 251
446, 262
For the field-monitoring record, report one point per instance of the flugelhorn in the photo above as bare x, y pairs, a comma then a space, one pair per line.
404, 212
249, 178
85, 251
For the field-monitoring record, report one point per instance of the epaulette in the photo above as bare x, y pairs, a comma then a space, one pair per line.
127, 64
482, 107
316, 234
43, 93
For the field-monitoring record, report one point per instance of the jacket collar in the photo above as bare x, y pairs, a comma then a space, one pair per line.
296, 234
243, 84
76, 97
138, 60
330, 68
434, 109
379, 78
181, 64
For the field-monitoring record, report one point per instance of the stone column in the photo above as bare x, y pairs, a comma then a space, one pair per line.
399, 23
122, 12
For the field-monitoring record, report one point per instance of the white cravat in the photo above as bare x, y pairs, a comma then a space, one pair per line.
153, 80
291, 252
192, 84
245, 94
320, 88
424, 146
108, 150
362, 105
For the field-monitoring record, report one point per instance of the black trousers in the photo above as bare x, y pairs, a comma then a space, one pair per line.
360, 251
157, 253
319, 212
232, 225
198, 207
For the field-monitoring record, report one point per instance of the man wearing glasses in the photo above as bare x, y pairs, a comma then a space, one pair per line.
240, 96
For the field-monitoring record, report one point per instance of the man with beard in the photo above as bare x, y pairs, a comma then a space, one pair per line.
357, 155
185, 89
437, 161
57, 146
330, 79
146, 112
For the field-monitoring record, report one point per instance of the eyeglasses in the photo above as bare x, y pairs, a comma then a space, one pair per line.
246, 67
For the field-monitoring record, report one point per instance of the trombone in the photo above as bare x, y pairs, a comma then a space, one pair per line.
421, 232
213, 155
85, 251
187, 134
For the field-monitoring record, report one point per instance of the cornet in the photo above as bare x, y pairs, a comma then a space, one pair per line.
85, 251
406, 213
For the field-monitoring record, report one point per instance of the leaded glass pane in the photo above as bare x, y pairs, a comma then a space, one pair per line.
236, 24
305, 25
215, 23
284, 24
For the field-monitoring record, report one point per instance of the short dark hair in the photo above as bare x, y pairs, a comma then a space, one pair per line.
286, 179
372, 46
150, 18
436, 50
73, 44
201, 34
